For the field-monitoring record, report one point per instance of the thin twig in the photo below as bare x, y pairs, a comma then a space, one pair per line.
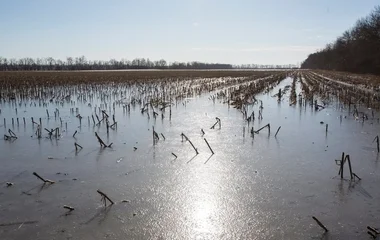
320, 224
43, 179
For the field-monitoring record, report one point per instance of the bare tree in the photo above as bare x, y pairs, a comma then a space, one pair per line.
357, 50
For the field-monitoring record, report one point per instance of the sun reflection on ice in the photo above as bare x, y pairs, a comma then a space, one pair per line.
203, 207
203, 216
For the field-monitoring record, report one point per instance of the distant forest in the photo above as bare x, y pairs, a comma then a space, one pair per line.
81, 63
357, 50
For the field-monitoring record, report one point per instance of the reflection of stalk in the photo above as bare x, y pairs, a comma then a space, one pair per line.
260, 115
39, 130
377, 143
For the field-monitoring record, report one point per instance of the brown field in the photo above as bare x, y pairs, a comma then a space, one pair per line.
107, 76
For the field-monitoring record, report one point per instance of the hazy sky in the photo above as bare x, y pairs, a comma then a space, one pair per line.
239, 31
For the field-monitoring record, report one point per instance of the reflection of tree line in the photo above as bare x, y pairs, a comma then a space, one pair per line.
81, 63
357, 50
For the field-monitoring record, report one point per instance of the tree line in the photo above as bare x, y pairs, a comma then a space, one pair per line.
356, 50
81, 63
266, 66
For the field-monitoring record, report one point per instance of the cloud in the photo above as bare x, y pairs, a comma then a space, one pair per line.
195, 24
262, 49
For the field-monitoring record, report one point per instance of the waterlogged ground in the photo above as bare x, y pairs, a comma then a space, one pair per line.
251, 188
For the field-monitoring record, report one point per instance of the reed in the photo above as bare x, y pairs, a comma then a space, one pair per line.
43, 179
209, 146
187, 139
105, 198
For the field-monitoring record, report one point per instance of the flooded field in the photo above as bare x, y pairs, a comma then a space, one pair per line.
156, 166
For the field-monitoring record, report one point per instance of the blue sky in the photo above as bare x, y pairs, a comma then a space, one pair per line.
240, 31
